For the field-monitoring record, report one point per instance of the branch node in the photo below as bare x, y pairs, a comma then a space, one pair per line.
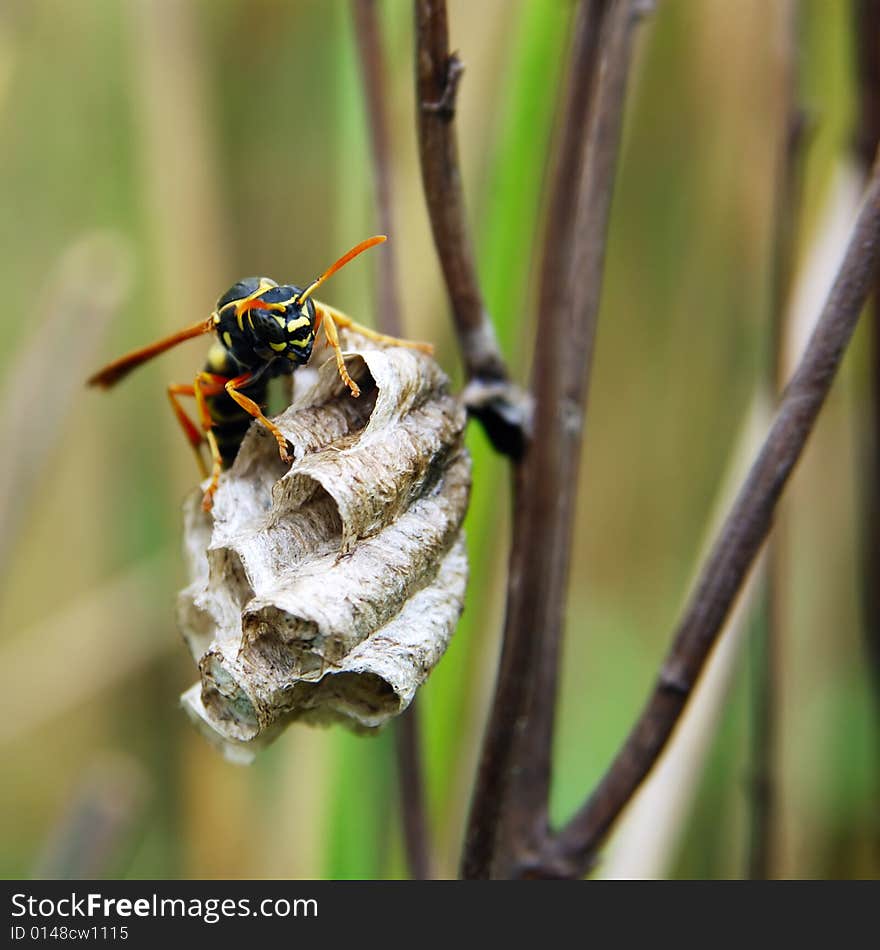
505, 412
675, 683
444, 107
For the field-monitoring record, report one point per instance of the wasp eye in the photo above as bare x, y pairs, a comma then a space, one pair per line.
276, 329
269, 326
244, 288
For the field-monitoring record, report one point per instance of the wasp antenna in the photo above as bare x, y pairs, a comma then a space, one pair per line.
118, 369
348, 256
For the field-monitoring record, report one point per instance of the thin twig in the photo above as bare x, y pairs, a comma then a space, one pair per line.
412, 794
490, 396
867, 43
508, 823
741, 537
437, 77
571, 280
374, 73
788, 187
867, 31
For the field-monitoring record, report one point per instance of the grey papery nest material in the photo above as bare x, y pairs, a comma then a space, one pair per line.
327, 592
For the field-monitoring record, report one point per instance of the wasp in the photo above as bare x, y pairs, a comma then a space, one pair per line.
263, 330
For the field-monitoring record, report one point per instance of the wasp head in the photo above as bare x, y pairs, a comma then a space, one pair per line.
260, 322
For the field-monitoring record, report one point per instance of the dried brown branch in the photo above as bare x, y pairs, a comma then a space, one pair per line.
867, 31
788, 189
375, 85
491, 397
508, 824
412, 794
374, 76
740, 539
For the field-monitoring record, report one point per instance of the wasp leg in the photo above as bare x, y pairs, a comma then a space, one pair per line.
341, 320
324, 319
190, 430
254, 410
209, 384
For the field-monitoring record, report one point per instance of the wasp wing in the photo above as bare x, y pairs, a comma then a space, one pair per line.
118, 369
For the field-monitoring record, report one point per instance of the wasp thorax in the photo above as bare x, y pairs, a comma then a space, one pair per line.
260, 322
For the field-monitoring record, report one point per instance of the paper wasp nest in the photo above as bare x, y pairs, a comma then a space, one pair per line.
327, 591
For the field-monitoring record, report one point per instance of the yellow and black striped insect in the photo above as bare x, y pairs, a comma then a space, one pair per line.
263, 330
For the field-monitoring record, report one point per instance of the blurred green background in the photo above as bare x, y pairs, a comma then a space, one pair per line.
153, 152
